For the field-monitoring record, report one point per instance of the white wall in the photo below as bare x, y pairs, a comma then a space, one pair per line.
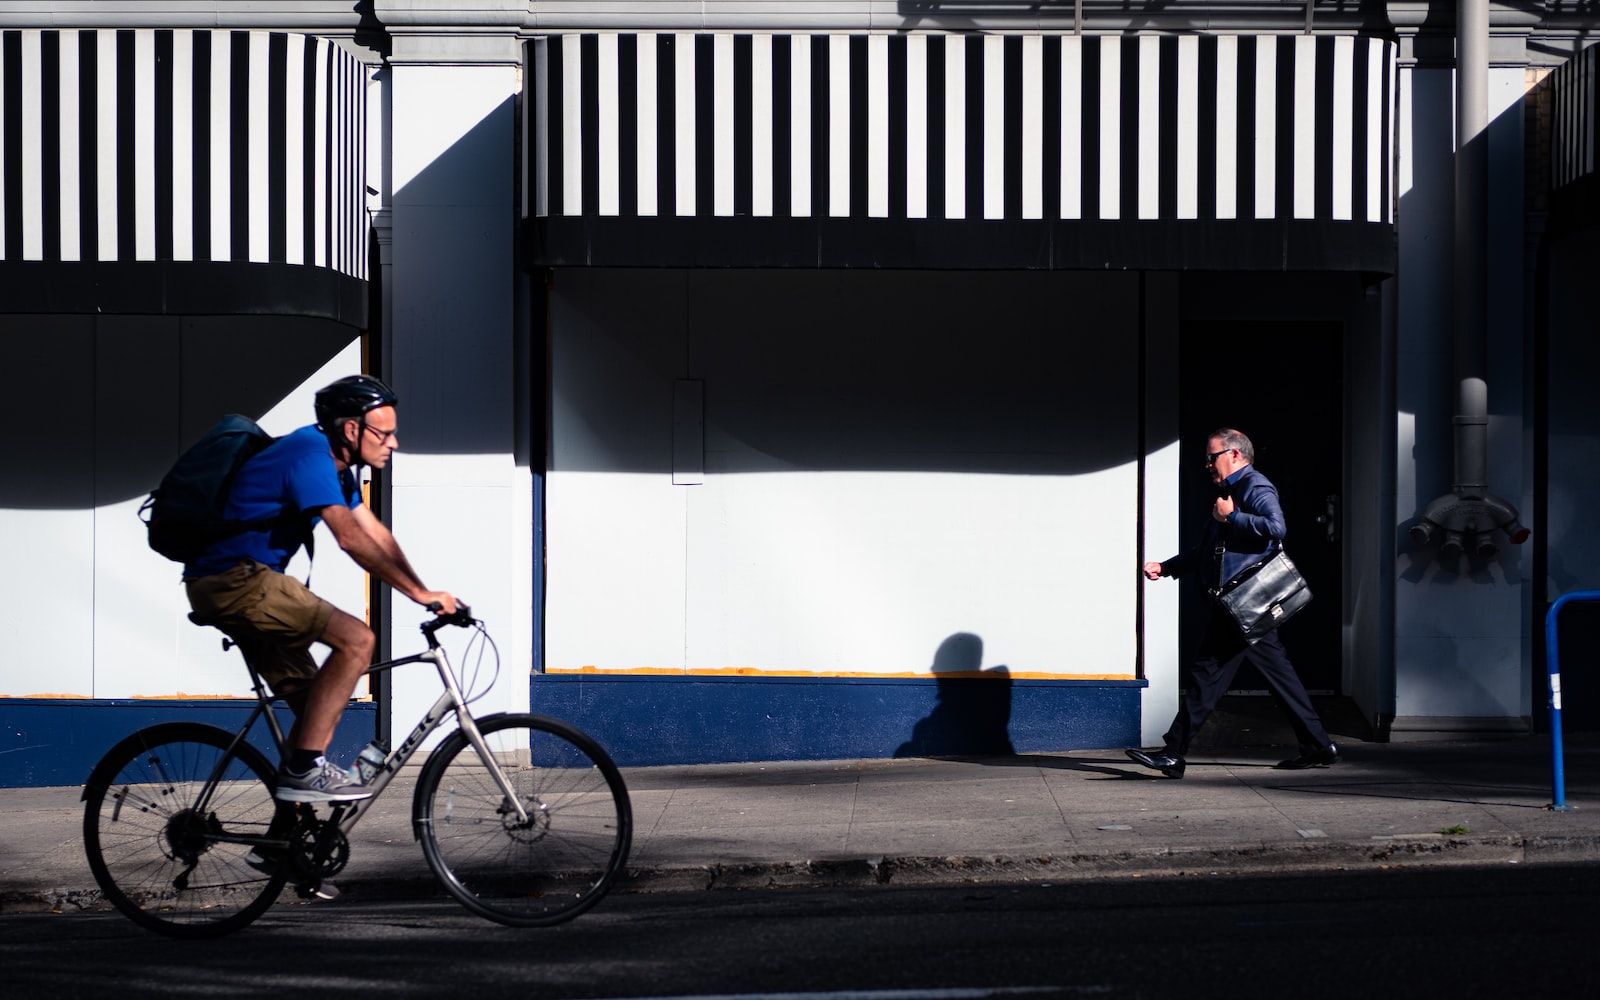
461, 505
90, 611
889, 459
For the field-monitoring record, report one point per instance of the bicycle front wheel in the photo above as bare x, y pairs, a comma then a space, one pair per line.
545, 863
167, 844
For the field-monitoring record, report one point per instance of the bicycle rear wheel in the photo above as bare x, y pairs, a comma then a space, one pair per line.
545, 869
164, 858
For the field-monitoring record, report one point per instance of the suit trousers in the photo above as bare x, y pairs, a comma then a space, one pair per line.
1222, 651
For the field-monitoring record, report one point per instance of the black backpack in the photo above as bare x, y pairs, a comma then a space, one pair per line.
184, 516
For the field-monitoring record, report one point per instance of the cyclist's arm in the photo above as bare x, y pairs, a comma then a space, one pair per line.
370, 543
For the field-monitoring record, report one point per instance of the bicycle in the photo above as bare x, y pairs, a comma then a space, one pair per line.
523, 818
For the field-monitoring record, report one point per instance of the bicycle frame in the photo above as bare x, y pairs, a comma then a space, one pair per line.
524, 819
451, 701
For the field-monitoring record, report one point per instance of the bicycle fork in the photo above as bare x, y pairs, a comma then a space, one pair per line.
469, 728
452, 700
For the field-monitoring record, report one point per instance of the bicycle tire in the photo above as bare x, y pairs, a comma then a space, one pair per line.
157, 859
554, 866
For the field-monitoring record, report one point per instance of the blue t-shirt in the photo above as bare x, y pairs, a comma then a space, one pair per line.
294, 474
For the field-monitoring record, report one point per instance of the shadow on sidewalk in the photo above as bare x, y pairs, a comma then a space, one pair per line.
1060, 763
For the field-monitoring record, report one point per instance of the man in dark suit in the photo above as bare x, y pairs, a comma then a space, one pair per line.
1246, 525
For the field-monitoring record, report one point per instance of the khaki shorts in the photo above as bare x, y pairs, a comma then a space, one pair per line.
273, 617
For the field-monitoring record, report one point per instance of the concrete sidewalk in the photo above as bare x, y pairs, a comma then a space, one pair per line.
1041, 816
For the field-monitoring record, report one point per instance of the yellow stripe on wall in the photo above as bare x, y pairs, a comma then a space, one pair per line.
866, 675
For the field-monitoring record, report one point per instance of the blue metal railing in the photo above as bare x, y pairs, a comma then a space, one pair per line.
1553, 660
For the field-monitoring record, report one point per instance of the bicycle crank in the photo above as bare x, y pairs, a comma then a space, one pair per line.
320, 849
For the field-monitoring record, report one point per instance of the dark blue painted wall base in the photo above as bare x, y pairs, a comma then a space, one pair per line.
46, 741
648, 720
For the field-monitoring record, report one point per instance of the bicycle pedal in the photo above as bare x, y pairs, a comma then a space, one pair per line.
317, 890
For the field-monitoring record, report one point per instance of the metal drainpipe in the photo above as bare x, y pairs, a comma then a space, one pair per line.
1467, 516
1471, 242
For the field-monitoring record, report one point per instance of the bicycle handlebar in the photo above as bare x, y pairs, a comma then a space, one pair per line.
462, 617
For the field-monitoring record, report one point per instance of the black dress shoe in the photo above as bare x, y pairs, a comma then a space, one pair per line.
1162, 761
1326, 757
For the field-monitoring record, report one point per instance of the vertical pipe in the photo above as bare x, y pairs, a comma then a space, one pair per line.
1471, 272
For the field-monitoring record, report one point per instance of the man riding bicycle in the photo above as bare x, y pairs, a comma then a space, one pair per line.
239, 585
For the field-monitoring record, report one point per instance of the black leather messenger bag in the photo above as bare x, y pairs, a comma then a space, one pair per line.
1263, 595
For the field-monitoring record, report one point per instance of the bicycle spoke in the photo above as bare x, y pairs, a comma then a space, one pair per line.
167, 847
559, 856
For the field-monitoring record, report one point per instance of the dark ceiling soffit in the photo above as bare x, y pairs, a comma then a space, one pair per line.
1268, 245
167, 288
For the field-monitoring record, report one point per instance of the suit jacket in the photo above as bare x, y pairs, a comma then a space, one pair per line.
1251, 532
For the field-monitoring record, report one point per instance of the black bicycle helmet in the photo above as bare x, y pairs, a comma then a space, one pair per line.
351, 397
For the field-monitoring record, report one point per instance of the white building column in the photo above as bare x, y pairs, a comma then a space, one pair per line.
1161, 516
460, 504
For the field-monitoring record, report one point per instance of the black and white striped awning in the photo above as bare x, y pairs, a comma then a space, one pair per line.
179, 171
967, 150
1575, 142
1574, 137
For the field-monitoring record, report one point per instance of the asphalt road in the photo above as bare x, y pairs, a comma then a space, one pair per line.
1452, 932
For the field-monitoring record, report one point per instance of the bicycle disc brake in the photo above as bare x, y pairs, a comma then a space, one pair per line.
320, 849
534, 828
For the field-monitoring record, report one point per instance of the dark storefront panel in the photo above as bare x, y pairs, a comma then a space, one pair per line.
1567, 353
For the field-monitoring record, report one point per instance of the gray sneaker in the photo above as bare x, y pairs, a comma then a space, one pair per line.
327, 782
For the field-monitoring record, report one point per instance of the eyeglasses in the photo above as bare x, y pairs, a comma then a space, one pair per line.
383, 436
1211, 458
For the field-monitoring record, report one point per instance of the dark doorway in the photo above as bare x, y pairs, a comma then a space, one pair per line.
1282, 385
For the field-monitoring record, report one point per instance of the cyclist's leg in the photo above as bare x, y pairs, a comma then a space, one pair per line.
273, 618
353, 644
307, 775
294, 691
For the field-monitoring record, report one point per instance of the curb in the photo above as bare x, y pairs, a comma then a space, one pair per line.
1380, 853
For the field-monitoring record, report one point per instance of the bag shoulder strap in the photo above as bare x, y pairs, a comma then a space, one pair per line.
1274, 546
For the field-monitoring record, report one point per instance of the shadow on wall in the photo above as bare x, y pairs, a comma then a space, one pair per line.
1020, 373
1427, 364
100, 406
973, 710
454, 278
